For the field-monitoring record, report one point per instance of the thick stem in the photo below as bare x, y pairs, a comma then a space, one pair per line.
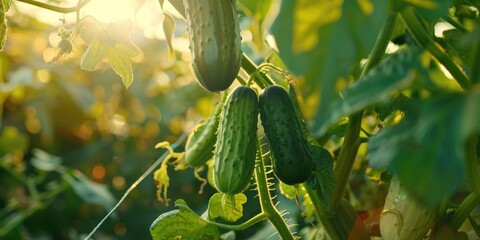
251, 68
266, 200
464, 210
422, 37
351, 142
475, 75
322, 215
459, 26
56, 8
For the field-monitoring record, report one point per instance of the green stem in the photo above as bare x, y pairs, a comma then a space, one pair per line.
251, 68
266, 200
422, 37
56, 8
352, 142
259, 217
464, 210
456, 24
322, 215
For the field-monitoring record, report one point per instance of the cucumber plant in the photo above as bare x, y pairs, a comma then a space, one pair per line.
385, 92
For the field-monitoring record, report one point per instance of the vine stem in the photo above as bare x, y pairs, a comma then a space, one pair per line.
464, 210
137, 182
471, 161
422, 37
257, 218
56, 8
266, 200
351, 141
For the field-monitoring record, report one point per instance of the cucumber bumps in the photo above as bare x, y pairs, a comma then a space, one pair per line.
235, 149
214, 42
292, 159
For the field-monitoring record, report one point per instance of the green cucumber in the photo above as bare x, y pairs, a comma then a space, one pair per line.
201, 141
292, 158
235, 149
215, 42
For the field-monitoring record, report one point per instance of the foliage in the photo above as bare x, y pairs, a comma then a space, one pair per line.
388, 90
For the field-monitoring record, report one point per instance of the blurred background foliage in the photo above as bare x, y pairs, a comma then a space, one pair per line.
73, 141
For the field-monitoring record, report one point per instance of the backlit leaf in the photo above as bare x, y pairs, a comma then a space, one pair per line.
112, 43
228, 207
321, 40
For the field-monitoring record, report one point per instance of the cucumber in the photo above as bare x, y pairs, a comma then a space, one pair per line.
215, 42
200, 143
292, 158
235, 149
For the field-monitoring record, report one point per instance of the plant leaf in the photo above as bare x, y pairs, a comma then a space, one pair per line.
112, 43
323, 181
322, 39
426, 149
228, 207
45, 161
182, 224
162, 181
395, 73
88, 190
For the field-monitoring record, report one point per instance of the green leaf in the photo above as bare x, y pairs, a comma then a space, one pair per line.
88, 190
288, 191
323, 181
228, 207
45, 161
182, 224
322, 39
395, 73
168, 27
426, 149
111, 42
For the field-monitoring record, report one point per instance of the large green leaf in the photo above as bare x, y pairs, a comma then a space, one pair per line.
426, 149
111, 42
395, 73
322, 39
258, 9
182, 224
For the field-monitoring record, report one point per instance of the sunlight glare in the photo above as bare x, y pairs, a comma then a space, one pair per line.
109, 10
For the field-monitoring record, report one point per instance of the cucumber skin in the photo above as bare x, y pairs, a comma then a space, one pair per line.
235, 149
215, 42
201, 141
291, 155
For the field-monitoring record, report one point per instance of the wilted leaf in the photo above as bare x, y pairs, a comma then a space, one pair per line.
228, 207
90, 191
163, 181
182, 224
111, 42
